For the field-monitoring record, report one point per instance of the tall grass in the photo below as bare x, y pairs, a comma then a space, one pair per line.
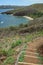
17, 43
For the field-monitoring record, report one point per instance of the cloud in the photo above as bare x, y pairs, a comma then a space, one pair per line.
32, 0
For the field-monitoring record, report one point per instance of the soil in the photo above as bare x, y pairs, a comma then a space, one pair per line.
33, 57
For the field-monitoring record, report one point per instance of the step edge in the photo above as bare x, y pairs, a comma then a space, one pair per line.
31, 56
28, 63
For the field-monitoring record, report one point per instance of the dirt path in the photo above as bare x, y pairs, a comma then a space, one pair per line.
31, 55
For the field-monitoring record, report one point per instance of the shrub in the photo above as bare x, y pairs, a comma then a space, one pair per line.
21, 58
12, 28
3, 52
9, 60
6, 53
18, 42
10, 52
13, 45
21, 25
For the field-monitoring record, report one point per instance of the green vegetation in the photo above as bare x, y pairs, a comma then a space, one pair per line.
17, 43
3, 52
11, 52
32, 36
8, 54
36, 15
9, 60
21, 58
40, 58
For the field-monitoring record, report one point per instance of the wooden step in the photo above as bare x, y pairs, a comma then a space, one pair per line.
31, 53
31, 59
30, 50
25, 63
32, 46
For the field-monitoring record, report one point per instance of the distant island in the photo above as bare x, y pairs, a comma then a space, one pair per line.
9, 7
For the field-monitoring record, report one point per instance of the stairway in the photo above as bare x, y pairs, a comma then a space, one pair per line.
31, 56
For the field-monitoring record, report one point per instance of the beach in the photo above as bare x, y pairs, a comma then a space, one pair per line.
28, 17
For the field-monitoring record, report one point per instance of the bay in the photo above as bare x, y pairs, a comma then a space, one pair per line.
10, 20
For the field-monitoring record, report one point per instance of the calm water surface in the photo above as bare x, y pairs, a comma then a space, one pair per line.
10, 20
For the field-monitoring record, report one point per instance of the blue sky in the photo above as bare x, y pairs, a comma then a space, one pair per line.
19, 2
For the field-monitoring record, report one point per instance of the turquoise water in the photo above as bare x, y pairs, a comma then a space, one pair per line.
10, 20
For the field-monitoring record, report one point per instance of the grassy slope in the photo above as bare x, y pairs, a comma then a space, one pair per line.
39, 7
11, 53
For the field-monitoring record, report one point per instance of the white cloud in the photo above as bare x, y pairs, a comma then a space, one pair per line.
32, 0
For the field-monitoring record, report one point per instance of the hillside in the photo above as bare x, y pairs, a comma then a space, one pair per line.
39, 7
32, 26
35, 10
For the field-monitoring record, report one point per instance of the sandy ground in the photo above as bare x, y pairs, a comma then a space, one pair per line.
28, 17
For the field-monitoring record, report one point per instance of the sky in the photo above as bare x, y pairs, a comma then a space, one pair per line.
19, 2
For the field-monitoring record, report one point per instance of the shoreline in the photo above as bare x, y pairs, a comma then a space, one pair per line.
28, 17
